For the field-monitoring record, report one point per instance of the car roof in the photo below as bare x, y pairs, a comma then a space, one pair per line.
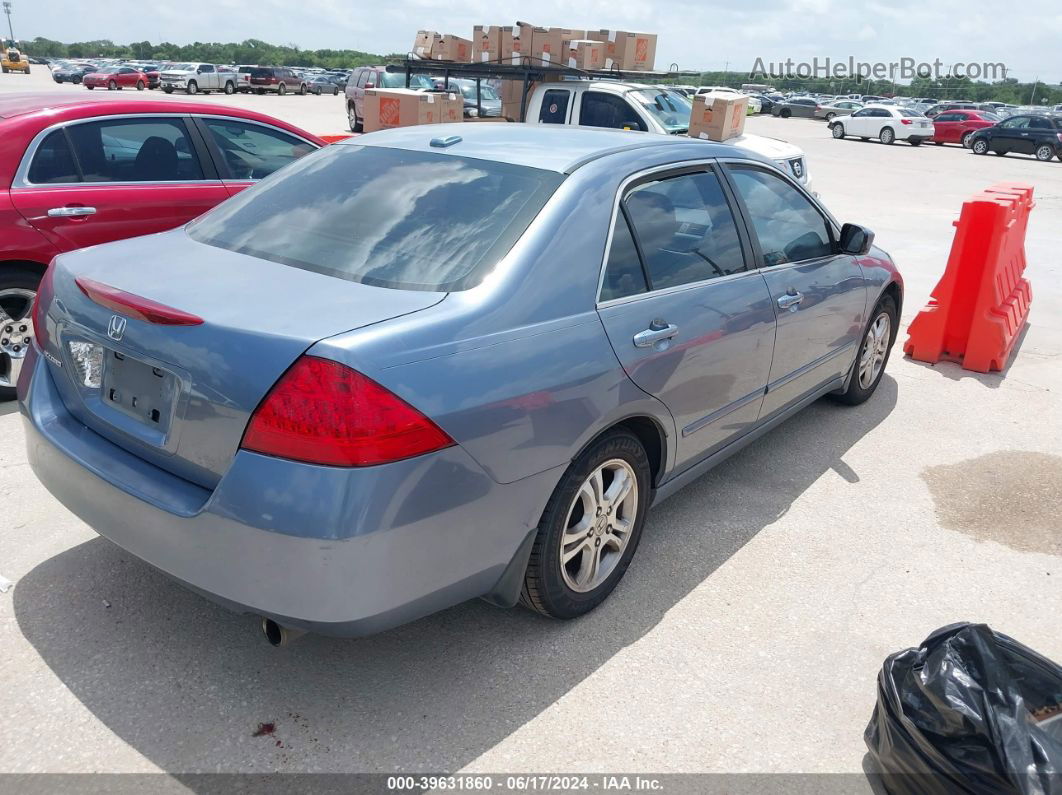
559, 148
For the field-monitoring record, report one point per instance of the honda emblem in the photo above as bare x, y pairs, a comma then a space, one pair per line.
116, 328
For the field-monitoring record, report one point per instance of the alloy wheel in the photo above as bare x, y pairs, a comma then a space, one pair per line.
875, 348
16, 331
599, 525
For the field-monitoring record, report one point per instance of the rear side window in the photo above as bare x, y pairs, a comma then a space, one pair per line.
685, 230
252, 151
555, 106
623, 273
385, 217
135, 150
53, 161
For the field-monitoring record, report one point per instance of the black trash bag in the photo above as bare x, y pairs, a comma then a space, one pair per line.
970, 711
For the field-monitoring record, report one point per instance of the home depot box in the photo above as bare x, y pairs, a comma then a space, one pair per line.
718, 117
496, 44
630, 52
545, 45
586, 54
453, 48
401, 107
425, 43
510, 92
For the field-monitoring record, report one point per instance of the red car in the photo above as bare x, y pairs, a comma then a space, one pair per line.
956, 126
76, 172
116, 77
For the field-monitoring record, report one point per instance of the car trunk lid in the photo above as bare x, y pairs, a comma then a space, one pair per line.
179, 393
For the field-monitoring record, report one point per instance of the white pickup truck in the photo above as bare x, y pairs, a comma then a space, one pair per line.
636, 106
193, 78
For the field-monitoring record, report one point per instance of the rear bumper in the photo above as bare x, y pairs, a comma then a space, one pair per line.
335, 551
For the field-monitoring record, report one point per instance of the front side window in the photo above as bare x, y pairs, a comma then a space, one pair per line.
1017, 123
787, 224
253, 151
555, 106
599, 109
135, 150
685, 229
206, 69
386, 217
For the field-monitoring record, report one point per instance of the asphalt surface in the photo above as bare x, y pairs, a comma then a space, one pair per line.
745, 637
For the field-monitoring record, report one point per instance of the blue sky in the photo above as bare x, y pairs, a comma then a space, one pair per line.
695, 35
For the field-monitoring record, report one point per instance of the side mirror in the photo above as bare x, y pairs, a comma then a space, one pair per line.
856, 239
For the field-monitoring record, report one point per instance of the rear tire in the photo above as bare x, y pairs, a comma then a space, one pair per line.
230, 88
282, 90
830, 116
75, 80
965, 140
90, 87
14, 280
192, 88
1045, 153
872, 355
167, 90
302, 90
596, 532
887, 136
352, 118
785, 113
112, 86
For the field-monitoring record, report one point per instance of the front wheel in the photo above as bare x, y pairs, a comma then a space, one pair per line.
90, 87
112, 86
18, 288
1044, 152
335, 92
980, 147
887, 135
139, 85
302, 89
282, 90
167, 90
352, 118
193, 87
785, 113
75, 80
873, 354
837, 130
590, 528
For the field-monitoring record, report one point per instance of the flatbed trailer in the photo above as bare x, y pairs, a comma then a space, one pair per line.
528, 71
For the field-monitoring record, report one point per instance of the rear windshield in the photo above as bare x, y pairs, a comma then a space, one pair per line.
911, 113
385, 217
259, 72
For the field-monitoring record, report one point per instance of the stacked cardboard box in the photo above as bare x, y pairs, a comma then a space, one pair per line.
627, 52
586, 54
453, 48
718, 117
400, 107
425, 43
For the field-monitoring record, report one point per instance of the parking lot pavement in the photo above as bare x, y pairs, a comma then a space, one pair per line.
745, 637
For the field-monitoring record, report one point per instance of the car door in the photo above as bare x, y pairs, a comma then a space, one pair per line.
818, 294
946, 127
246, 151
1010, 135
806, 108
127, 77
689, 323
98, 180
208, 77
858, 123
1041, 131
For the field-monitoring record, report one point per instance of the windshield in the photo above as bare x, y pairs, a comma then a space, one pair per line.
182, 67
990, 116
670, 108
107, 70
385, 217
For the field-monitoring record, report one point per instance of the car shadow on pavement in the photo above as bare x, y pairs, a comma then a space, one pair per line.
194, 688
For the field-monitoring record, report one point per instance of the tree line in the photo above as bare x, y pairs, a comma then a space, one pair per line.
252, 51
1010, 90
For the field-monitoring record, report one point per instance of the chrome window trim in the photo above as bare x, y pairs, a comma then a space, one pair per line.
21, 178
707, 163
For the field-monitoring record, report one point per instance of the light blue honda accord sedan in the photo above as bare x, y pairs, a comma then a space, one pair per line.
437, 363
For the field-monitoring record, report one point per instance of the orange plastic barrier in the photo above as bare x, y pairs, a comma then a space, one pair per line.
331, 139
981, 303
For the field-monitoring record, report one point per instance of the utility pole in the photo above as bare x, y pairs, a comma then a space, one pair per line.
1032, 94
7, 10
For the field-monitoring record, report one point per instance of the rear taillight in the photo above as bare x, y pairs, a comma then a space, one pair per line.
905, 121
1060, 138
323, 412
41, 301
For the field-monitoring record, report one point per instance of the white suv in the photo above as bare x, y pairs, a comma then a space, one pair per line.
887, 123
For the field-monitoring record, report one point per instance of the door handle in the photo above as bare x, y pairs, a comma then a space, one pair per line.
70, 212
658, 331
791, 300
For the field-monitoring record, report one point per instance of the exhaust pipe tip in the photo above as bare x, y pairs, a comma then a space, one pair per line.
279, 635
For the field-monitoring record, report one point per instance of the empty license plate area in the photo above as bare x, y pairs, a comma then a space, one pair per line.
138, 389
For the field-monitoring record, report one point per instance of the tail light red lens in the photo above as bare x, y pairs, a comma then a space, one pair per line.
905, 121
323, 412
41, 302
134, 305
